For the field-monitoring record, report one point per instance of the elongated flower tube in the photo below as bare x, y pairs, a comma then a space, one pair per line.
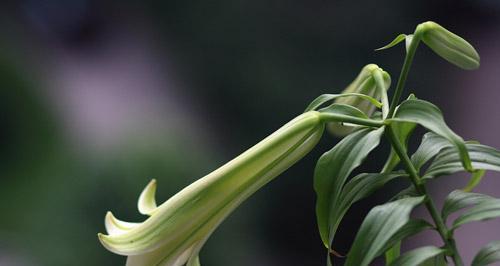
448, 45
177, 229
364, 83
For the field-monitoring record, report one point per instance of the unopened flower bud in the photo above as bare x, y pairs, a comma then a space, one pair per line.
448, 45
364, 83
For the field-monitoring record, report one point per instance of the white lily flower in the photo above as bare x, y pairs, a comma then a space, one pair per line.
177, 229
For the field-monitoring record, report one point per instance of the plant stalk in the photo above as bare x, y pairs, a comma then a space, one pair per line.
404, 72
350, 119
421, 189
379, 80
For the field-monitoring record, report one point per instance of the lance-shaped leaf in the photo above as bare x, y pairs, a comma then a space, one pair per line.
398, 39
178, 228
381, 223
459, 199
324, 98
439, 260
429, 116
417, 256
448, 45
331, 172
354, 190
430, 146
485, 210
410, 191
339, 110
448, 161
364, 83
487, 254
475, 179
392, 246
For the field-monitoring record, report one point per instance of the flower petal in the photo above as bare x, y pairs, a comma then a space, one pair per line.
147, 202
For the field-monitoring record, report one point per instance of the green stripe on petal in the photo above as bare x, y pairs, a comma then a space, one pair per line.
177, 229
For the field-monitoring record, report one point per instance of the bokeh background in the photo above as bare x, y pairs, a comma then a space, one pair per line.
98, 97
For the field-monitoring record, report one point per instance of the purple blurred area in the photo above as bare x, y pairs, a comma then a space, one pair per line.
98, 97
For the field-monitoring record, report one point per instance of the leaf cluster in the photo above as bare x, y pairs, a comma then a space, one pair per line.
441, 152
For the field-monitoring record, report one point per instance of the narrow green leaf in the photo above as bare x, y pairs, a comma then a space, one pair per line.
332, 170
398, 39
485, 210
430, 146
459, 199
343, 109
429, 116
393, 253
474, 180
324, 98
487, 254
448, 161
363, 185
381, 223
354, 190
439, 260
393, 246
448, 45
405, 193
412, 227
417, 256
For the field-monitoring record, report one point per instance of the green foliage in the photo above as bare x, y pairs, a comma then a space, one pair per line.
403, 131
379, 226
429, 116
398, 39
487, 254
189, 217
322, 99
485, 210
330, 175
430, 146
458, 200
417, 256
393, 247
448, 162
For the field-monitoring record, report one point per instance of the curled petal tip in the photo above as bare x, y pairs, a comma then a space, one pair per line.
147, 202
176, 231
115, 226
104, 240
101, 237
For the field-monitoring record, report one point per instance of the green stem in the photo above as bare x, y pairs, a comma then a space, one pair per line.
421, 189
404, 72
328, 117
379, 80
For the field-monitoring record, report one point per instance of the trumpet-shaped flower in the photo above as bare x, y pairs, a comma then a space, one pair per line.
177, 229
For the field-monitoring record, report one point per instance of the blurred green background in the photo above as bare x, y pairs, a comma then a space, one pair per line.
98, 97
